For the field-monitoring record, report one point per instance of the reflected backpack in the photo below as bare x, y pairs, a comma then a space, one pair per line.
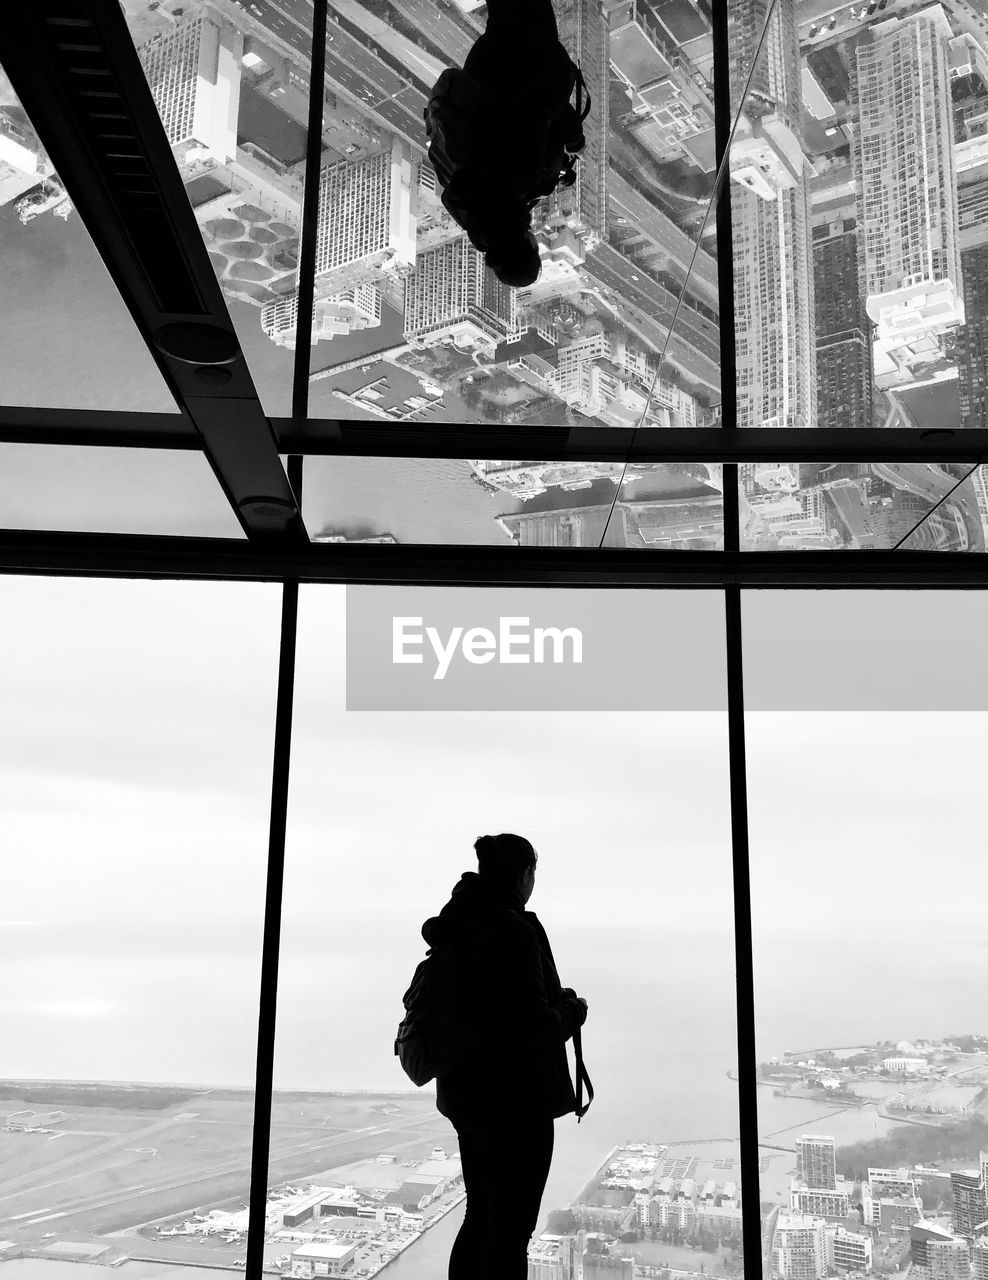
434, 1033
457, 122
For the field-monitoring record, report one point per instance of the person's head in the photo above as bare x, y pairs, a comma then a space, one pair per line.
507, 863
514, 258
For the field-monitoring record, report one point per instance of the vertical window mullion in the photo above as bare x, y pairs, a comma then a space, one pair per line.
310, 214
751, 1226
271, 943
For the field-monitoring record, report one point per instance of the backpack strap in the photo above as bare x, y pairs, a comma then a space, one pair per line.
582, 108
581, 1078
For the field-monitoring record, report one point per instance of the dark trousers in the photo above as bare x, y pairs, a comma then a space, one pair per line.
505, 1167
518, 34
520, 60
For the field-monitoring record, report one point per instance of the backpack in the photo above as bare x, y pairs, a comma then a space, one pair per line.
436, 1029
434, 1034
457, 116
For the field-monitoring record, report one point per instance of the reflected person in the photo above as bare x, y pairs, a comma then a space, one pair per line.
504, 133
514, 1080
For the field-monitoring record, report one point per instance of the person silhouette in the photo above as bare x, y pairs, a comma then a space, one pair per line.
513, 1080
509, 119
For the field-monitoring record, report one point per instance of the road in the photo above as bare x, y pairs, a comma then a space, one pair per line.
646, 218
422, 64
438, 27
352, 69
960, 516
768, 1235
694, 346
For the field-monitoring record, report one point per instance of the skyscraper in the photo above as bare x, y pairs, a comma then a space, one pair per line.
816, 1161
194, 75
799, 1247
454, 297
936, 1254
968, 1203
583, 31
843, 331
979, 1258
773, 270
972, 339
367, 216
908, 249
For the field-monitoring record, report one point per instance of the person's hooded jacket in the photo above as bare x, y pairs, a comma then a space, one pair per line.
516, 1065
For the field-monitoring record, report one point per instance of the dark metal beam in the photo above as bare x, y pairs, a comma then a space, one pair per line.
115, 555
332, 437
80, 80
98, 428
595, 443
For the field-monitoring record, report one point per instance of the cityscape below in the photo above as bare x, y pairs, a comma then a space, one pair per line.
159, 1173
859, 195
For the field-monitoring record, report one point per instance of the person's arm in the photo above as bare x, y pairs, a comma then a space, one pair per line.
520, 992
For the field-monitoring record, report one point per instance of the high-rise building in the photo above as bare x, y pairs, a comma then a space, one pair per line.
979, 1258
909, 253
968, 1203
847, 1250
354, 309
972, 210
367, 218
552, 1257
194, 74
799, 1248
820, 1202
605, 376
816, 1160
936, 1254
453, 297
891, 1182
583, 32
773, 268
843, 330
972, 339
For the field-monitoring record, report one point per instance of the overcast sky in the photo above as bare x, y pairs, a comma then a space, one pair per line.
136, 754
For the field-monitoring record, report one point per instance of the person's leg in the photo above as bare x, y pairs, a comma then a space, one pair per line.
517, 21
471, 1239
516, 1154
517, 40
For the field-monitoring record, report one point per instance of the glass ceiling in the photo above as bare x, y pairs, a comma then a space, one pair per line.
857, 181
66, 338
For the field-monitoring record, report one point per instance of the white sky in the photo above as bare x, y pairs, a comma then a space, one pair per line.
135, 760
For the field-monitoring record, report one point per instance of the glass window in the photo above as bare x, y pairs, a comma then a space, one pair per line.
95, 489
858, 180
136, 764
231, 85
67, 339
633, 888
862, 751
497, 501
401, 289
876, 506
